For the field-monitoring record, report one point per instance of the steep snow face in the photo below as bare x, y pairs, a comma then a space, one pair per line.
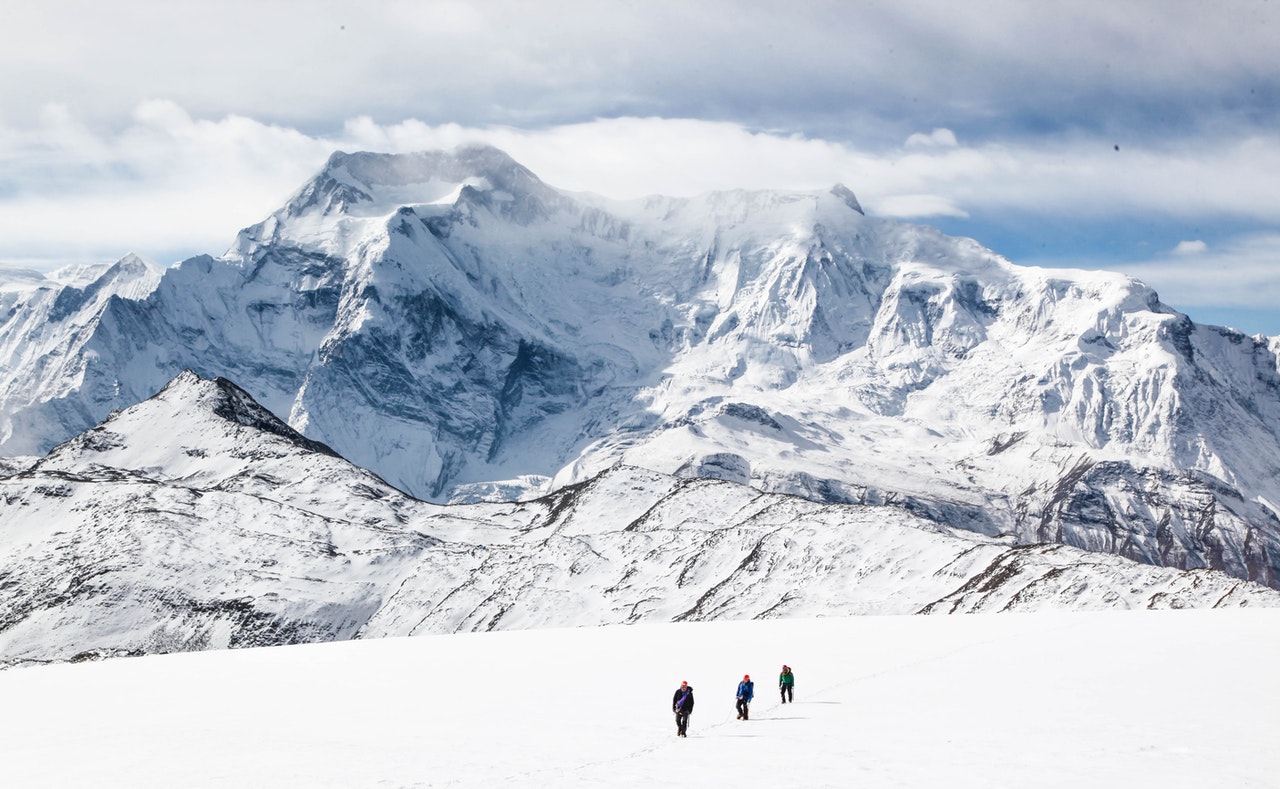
467, 332
197, 520
54, 379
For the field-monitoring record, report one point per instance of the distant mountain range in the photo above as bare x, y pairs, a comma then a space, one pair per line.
468, 333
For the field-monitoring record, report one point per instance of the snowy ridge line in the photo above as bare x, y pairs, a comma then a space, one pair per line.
244, 534
469, 333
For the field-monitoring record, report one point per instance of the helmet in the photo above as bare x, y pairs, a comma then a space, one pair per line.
746, 676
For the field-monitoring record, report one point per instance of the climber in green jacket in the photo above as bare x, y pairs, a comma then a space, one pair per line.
786, 681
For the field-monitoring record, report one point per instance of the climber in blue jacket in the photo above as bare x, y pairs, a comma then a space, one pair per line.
746, 691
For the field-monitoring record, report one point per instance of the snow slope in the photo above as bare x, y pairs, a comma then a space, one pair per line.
1176, 700
467, 332
197, 520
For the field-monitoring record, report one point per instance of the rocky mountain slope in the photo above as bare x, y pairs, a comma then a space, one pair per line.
197, 520
469, 333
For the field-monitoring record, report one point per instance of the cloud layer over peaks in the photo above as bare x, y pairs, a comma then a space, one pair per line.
870, 71
999, 119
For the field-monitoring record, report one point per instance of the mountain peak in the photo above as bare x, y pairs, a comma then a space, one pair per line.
366, 183
133, 260
846, 194
132, 276
225, 400
194, 426
390, 169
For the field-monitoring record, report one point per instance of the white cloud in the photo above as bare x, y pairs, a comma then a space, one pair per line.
918, 206
1190, 248
1069, 178
1149, 67
1244, 272
168, 183
165, 185
116, 138
938, 138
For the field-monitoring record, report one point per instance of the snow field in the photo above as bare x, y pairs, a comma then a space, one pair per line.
1167, 699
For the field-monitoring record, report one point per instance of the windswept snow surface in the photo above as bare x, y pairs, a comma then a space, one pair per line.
1136, 699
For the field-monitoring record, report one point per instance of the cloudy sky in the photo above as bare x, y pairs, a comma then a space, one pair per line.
1138, 136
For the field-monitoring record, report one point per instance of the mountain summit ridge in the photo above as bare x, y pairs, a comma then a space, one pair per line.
465, 331
364, 183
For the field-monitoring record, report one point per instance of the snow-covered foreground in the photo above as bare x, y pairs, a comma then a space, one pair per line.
1167, 699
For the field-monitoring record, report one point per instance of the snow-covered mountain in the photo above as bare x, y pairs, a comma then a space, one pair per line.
198, 520
469, 333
